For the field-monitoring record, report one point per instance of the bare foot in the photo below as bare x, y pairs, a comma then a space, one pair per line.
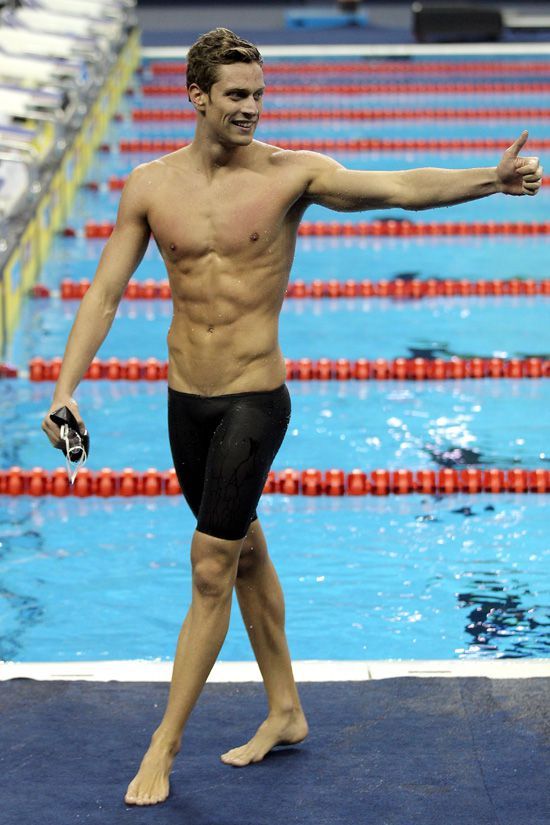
150, 785
278, 729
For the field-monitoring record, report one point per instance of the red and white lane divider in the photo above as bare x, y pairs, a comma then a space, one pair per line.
370, 229
128, 482
397, 288
157, 145
374, 67
339, 113
479, 87
309, 369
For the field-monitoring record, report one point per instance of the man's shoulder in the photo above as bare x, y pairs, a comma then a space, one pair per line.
147, 178
284, 157
157, 167
302, 159
141, 176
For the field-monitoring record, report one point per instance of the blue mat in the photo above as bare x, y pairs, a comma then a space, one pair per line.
406, 751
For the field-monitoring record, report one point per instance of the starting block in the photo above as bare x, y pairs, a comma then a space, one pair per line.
324, 17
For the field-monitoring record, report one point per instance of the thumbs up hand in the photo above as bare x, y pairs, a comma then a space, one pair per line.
519, 176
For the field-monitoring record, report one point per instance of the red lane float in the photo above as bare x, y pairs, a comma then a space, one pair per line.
340, 113
371, 67
396, 288
407, 229
128, 482
104, 483
386, 228
161, 89
322, 369
158, 145
116, 184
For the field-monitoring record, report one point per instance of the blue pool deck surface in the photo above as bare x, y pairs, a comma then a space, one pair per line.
396, 751
419, 626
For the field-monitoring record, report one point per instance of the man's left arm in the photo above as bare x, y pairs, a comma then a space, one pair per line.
345, 190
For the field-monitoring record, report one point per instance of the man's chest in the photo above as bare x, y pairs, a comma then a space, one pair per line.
227, 217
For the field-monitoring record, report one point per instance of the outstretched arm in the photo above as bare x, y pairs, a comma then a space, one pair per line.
120, 258
346, 190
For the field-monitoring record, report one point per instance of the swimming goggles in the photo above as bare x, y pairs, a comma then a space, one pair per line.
75, 445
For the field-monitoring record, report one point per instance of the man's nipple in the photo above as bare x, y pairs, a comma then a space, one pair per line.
173, 247
254, 236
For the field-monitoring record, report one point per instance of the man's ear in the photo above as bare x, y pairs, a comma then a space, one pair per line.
197, 97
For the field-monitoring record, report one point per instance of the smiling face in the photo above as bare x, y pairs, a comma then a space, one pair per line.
232, 109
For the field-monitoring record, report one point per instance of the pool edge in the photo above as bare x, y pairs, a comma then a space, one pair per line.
304, 670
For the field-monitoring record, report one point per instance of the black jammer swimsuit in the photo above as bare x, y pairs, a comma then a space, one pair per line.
223, 447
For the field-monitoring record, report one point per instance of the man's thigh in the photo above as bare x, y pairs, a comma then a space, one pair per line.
239, 459
190, 434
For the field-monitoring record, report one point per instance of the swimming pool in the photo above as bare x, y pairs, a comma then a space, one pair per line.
400, 577
415, 578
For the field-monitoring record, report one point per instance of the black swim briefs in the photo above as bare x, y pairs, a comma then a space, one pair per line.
223, 447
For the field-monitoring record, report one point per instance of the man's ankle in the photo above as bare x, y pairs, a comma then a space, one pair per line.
166, 739
285, 709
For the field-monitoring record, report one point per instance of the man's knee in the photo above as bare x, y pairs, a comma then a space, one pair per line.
214, 564
253, 550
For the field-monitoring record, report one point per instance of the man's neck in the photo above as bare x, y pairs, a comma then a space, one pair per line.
213, 155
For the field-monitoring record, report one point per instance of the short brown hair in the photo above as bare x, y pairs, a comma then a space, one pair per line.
217, 47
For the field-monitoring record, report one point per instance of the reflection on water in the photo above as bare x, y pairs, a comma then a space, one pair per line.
21, 606
503, 621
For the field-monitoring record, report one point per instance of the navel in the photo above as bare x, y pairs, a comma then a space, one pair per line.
254, 236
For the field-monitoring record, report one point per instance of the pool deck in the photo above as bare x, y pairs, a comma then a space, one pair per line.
381, 751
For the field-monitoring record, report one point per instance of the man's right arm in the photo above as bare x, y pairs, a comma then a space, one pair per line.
120, 258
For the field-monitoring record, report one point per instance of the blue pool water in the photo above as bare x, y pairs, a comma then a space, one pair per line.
411, 577
353, 328
350, 424
480, 258
459, 577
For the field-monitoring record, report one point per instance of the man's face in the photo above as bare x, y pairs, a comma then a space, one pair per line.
234, 105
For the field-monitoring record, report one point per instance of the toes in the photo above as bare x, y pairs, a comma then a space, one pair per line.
234, 753
133, 799
239, 760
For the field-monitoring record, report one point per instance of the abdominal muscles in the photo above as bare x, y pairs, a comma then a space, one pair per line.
224, 332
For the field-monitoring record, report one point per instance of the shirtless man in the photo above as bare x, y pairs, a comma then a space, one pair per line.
224, 212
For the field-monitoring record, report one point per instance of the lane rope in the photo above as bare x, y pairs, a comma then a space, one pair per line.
370, 229
403, 67
156, 145
341, 113
395, 288
309, 369
531, 87
106, 482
